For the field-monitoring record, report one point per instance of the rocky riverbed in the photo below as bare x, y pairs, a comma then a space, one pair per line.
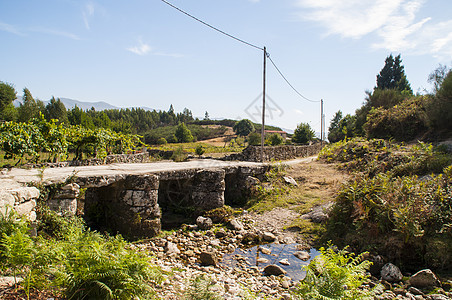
203, 251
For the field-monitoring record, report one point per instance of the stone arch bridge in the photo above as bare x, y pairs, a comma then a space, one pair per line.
135, 200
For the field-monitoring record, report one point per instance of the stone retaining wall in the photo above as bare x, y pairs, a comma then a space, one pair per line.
21, 199
272, 153
109, 159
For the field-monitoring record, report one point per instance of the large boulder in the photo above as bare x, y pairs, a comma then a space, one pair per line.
424, 279
274, 270
204, 223
391, 273
208, 259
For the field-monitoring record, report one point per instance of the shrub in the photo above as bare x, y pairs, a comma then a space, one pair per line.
336, 275
402, 122
254, 139
179, 155
199, 150
275, 139
161, 141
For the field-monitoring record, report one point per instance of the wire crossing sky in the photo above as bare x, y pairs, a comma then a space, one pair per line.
140, 53
246, 43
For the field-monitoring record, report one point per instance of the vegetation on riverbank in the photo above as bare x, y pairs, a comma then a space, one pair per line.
398, 202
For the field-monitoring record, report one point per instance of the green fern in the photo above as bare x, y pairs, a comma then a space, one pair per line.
335, 275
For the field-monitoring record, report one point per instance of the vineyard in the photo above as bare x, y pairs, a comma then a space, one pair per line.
30, 141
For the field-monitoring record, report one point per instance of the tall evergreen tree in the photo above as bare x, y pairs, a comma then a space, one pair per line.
56, 110
392, 76
28, 109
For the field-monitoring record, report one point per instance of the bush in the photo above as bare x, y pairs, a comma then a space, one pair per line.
275, 139
254, 139
402, 122
161, 141
179, 154
336, 275
199, 150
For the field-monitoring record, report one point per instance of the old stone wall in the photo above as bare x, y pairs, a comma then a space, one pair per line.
275, 153
21, 199
128, 206
109, 159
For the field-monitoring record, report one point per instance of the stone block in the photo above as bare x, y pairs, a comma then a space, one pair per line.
24, 194
6, 202
66, 206
26, 209
141, 182
69, 191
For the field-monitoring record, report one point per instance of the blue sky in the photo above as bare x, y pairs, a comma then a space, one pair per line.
145, 53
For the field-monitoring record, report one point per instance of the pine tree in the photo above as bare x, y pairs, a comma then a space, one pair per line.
392, 76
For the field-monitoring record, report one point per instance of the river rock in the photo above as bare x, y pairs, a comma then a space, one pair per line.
268, 237
285, 262
274, 270
290, 180
391, 273
424, 279
171, 248
204, 223
303, 255
236, 225
265, 250
262, 260
438, 297
208, 259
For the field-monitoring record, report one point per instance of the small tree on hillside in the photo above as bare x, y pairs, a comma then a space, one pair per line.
243, 127
7, 96
303, 134
183, 134
392, 76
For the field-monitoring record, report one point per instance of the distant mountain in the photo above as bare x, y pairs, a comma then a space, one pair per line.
71, 103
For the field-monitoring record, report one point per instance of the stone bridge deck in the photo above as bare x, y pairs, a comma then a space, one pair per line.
135, 199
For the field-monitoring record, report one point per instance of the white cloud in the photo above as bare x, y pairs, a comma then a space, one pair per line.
254, 1
87, 13
141, 49
55, 32
299, 112
10, 28
394, 22
144, 49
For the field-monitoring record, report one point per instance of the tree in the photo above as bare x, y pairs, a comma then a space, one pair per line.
243, 127
7, 96
206, 116
28, 109
56, 110
303, 134
437, 77
439, 110
183, 134
392, 76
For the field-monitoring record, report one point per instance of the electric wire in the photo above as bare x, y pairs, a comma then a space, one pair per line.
212, 27
287, 81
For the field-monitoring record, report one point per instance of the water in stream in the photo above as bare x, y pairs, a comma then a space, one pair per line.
278, 253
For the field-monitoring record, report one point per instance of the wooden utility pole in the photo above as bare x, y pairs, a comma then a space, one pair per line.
263, 108
322, 129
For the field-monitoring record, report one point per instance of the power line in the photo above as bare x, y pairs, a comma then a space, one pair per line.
284, 77
212, 27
